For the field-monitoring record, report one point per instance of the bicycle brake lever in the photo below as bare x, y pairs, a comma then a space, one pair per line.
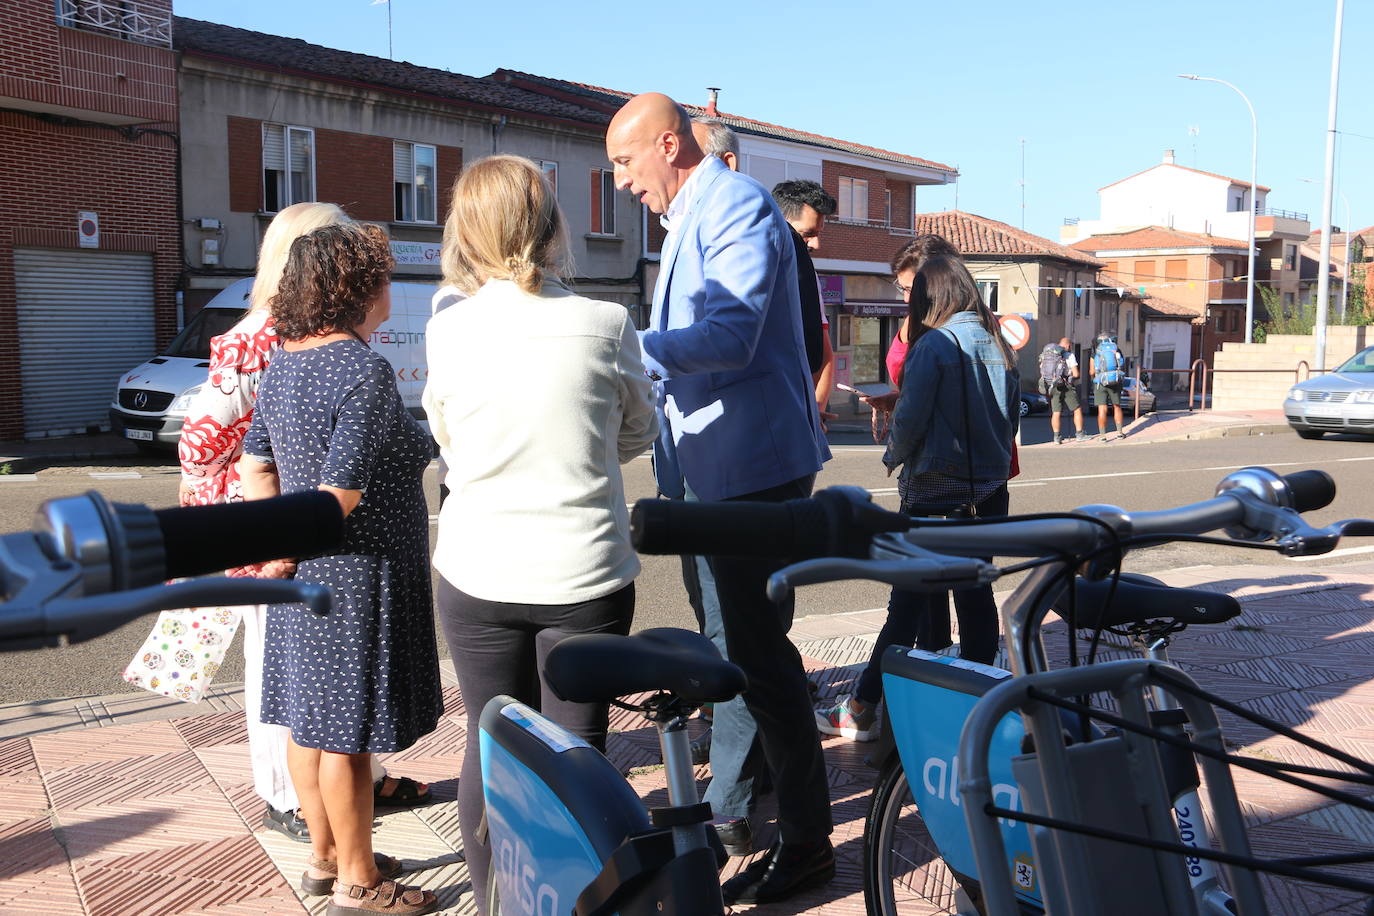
1353, 527
933, 572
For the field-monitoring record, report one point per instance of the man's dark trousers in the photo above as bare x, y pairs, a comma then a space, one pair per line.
777, 697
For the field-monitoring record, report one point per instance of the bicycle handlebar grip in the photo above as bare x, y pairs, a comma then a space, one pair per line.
1310, 489
796, 528
208, 539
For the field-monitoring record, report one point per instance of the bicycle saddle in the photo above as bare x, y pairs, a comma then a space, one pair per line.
1139, 599
597, 667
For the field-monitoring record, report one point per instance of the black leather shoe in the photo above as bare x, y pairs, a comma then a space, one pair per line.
289, 824
736, 836
787, 869
701, 749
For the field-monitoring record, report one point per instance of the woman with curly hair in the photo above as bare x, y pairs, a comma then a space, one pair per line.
364, 678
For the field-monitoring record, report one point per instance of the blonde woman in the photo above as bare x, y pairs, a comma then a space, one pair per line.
210, 447
535, 533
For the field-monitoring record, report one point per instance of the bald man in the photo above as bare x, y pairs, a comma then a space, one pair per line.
739, 421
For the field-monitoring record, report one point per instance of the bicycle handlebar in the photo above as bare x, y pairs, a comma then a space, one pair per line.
91, 565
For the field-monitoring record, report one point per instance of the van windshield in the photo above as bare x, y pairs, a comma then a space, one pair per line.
194, 340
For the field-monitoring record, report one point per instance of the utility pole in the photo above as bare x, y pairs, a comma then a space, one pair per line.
1324, 265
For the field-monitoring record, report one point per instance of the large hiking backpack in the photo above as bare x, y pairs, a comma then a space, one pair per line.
1054, 369
1108, 364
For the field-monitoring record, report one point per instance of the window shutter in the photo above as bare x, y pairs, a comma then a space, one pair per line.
273, 147
300, 151
596, 200
403, 159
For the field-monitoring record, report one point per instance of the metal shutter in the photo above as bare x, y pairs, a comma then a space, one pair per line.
85, 317
274, 147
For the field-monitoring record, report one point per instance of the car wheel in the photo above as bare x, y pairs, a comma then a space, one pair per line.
1025, 407
1310, 433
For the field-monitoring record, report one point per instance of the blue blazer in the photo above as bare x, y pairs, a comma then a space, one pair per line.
737, 408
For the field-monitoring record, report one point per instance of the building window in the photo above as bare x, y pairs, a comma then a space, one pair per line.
1110, 267
913, 210
288, 166
550, 170
1237, 201
413, 168
1221, 321
1288, 303
887, 205
1087, 303
1176, 269
603, 202
1290, 256
853, 199
1145, 270
1127, 328
989, 290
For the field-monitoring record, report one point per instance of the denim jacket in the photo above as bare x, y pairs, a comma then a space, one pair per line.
928, 421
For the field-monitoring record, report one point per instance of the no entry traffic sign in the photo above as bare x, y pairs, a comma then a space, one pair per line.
1015, 331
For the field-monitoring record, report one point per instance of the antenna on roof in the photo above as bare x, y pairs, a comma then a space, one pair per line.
389, 52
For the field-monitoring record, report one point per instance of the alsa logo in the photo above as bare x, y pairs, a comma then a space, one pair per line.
516, 879
940, 778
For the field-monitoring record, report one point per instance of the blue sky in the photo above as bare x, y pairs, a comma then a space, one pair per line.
1090, 87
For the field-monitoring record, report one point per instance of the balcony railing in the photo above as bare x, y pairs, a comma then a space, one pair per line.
129, 20
1286, 214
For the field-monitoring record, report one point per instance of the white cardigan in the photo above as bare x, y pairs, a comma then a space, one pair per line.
536, 400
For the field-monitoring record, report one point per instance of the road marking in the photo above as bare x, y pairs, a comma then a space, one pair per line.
1366, 458
1027, 483
1343, 552
1101, 476
116, 475
19, 478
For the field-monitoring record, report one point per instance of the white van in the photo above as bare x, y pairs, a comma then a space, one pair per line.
151, 400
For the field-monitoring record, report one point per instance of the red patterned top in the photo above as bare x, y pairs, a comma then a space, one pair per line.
212, 436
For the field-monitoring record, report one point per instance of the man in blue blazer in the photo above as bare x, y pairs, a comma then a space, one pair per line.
739, 421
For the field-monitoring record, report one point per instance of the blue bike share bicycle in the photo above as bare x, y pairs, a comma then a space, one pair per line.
1037, 801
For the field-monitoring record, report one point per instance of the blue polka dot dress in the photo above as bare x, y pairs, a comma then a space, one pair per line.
365, 677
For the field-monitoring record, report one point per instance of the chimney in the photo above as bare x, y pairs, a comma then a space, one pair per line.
711, 110
1168, 157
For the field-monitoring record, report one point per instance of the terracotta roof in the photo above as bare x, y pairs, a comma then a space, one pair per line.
978, 235
1154, 237
609, 100
1171, 165
275, 52
1163, 308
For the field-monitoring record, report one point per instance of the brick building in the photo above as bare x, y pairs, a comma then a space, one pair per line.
1202, 274
89, 243
876, 190
269, 121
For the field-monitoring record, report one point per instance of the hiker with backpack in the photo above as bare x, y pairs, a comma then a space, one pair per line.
1059, 382
1108, 370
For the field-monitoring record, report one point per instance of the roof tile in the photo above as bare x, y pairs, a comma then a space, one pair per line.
276, 52
611, 99
1154, 237
975, 235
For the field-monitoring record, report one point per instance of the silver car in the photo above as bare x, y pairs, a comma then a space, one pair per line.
1341, 401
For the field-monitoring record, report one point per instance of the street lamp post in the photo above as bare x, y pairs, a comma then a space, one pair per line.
1254, 200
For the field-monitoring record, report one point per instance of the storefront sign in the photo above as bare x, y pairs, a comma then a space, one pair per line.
415, 254
876, 309
832, 289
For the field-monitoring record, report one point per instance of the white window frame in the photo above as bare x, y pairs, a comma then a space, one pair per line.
602, 204
286, 197
887, 207
847, 211
989, 288
413, 193
912, 207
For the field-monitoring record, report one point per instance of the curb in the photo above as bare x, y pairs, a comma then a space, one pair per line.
1221, 432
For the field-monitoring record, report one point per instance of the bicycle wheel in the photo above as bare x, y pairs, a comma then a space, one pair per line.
902, 866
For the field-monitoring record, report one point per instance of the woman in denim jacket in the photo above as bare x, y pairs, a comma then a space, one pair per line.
952, 431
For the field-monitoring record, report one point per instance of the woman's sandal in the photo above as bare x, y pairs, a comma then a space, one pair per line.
388, 897
320, 887
406, 794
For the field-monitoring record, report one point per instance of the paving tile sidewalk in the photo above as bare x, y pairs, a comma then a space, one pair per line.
126, 805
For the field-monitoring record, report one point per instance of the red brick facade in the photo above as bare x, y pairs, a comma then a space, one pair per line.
54, 170
352, 170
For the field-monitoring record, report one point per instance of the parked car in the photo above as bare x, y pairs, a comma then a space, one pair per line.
1129, 386
1341, 401
1031, 402
150, 400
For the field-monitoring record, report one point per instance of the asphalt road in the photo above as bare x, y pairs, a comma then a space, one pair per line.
1132, 475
